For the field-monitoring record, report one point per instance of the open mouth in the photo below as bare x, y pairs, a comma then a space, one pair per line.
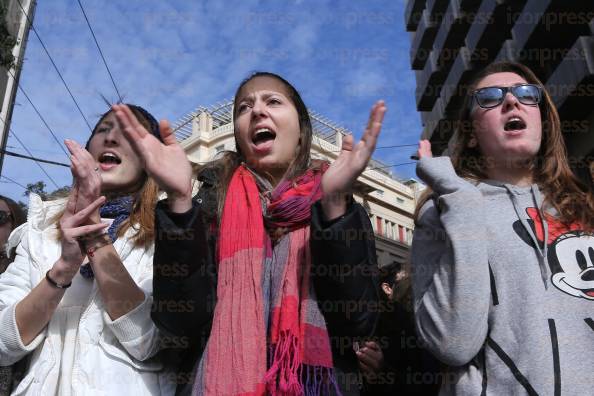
514, 124
587, 292
263, 136
109, 160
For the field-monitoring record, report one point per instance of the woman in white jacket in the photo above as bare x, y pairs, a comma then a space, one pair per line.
77, 298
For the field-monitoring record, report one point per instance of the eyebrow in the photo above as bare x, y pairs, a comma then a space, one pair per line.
108, 123
265, 95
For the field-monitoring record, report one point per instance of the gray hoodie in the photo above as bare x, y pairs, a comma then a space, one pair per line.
504, 294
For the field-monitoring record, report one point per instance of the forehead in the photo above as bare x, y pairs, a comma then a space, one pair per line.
108, 118
505, 79
4, 206
263, 84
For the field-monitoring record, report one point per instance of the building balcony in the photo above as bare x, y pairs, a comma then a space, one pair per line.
429, 82
571, 83
438, 122
541, 39
490, 28
450, 35
413, 13
436, 9
423, 41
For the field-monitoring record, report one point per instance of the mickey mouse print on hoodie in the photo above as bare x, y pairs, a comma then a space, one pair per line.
507, 313
570, 252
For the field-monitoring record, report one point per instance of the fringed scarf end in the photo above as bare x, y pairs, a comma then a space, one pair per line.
282, 378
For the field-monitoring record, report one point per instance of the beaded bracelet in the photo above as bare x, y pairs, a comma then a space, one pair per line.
99, 243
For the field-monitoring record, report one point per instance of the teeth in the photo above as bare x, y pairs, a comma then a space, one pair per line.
263, 130
109, 156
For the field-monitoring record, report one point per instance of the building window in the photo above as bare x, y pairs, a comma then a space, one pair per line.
379, 228
401, 233
399, 200
219, 148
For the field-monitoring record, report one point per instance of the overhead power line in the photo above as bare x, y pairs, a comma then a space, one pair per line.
13, 154
54, 64
13, 181
99, 48
43, 120
31, 155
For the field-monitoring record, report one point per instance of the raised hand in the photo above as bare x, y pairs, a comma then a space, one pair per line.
73, 228
165, 162
424, 150
338, 180
85, 172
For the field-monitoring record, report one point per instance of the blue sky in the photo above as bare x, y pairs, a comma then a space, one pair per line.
171, 56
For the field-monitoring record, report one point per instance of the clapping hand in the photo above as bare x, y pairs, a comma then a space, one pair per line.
338, 180
165, 162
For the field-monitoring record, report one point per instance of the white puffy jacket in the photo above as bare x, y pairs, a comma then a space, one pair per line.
84, 347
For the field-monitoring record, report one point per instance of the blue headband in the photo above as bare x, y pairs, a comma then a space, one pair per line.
153, 123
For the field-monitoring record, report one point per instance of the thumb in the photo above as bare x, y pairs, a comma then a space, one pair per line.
167, 133
347, 143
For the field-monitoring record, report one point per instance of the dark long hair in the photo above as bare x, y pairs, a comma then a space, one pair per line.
551, 170
230, 160
17, 214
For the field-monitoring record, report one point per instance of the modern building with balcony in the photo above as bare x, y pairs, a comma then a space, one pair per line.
452, 39
390, 202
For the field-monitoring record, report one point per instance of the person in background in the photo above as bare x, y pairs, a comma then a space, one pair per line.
11, 216
395, 362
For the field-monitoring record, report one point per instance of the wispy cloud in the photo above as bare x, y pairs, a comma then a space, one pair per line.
172, 56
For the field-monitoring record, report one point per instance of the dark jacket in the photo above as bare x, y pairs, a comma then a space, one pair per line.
184, 283
409, 369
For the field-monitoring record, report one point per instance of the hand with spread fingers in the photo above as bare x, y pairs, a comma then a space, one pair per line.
338, 180
75, 227
165, 162
85, 172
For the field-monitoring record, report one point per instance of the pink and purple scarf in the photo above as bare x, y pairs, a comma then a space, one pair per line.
268, 334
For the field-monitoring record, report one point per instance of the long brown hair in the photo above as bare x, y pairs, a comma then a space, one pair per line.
551, 170
230, 160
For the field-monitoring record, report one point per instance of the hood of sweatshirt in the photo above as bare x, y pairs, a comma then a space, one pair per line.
494, 189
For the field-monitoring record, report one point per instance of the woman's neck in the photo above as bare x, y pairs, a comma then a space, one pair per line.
517, 174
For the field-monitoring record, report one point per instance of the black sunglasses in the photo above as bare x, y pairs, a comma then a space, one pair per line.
489, 97
5, 217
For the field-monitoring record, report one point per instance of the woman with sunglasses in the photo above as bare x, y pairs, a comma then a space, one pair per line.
503, 253
77, 299
267, 275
